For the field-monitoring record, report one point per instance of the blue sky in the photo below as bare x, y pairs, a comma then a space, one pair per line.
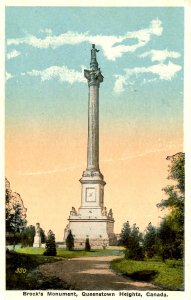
141, 51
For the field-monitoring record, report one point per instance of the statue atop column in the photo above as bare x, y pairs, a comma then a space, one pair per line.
37, 238
93, 62
93, 75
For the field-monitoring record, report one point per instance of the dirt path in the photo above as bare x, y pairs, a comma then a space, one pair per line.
92, 273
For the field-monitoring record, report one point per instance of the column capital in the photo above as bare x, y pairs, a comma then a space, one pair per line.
94, 77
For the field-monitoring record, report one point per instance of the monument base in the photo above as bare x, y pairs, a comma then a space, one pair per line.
99, 231
94, 243
36, 245
37, 241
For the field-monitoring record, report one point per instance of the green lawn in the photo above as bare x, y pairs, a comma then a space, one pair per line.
168, 275
63, 253
22, 272
30, 250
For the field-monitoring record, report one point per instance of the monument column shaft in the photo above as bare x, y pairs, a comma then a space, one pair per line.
94, 78
93, 128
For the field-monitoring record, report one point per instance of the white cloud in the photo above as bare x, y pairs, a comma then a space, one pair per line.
8, 76
163, 72
113, 46
148, 152
46, 31
149, 80
13, 54
63, 73
119, 84
151, 151
160, 55
47, 172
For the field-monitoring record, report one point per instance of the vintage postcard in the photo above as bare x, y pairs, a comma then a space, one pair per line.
95, 127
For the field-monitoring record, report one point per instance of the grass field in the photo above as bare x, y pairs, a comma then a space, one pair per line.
168, 275
63, 253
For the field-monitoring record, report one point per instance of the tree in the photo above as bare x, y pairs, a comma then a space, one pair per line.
168, 243
70, 241
87, 245
177, 171
125, 234
175, 204
135, 248
27, 236
43, 236
15, 212
131, 238
151, 242
50, 244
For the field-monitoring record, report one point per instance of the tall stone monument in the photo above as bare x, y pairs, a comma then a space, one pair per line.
37, 238
92, 219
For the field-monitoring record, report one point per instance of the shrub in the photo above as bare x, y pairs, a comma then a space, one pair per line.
131, 238
135, 252
70, 241
50, 244
87, 245
151, 241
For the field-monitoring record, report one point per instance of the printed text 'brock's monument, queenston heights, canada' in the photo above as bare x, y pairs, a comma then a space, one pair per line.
92, 219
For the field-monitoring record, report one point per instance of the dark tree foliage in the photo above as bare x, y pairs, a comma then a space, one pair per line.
174, 202
87, 245
50, 244
27, 236
151, 241
70, 241
15, 215
176, 171
170, 247
15, 212
125, 234
43, 236
131, 238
